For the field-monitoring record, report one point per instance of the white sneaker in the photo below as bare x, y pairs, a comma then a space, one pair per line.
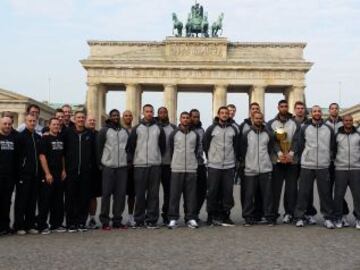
338, 224
192, 224
21, 232
310, 220
45, 231
357, 224
131, 221
60, 229
287, 219
33, 231
329, 224
300, 223
345, 221
172, 224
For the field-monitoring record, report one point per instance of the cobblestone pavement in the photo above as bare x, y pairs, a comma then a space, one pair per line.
256, 247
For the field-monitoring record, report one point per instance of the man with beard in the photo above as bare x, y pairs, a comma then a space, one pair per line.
244, 127
285, 165
256, 148
220, 146
145, 146
184, 144
163, 121
127, 118
301, 119
201, 187
111, 143
335, 122
347, 170
316, 146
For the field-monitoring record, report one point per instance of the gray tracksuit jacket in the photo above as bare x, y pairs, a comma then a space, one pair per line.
200, 131
347, 150
168, 129
146, 144
316, 145
335, 125
291, 128
111, 144
184, 147
256, 149
220, 145
245, 126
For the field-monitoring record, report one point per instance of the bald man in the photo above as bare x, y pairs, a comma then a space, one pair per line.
96, 183
315, 147
126, 122
8, 155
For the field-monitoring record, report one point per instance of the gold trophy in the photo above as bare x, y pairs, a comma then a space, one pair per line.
281, 137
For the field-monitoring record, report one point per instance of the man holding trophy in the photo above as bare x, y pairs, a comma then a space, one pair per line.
285, 131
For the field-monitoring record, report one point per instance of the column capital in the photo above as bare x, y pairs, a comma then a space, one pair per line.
170, 85
221, 86
92, 84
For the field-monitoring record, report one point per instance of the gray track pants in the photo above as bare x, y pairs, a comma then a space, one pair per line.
307, 177
183, 183
147, 184
343, 179
114, 182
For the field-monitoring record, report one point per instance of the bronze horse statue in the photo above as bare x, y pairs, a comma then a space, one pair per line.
217, 26
177, 25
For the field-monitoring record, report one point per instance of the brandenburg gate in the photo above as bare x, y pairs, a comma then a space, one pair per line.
193, 64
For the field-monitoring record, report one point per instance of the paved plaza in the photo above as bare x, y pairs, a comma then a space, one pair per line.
257, 247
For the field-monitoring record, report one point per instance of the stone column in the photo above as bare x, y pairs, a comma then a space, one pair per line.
219, 98
294, 94
92, 104
20, 119
100, 117
133, 101
170, 101
257, 94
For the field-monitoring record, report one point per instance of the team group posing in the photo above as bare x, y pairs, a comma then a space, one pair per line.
58, 171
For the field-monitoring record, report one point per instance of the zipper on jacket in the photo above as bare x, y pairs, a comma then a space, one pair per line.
35, 153
258, 148
185, 151
147, 146
224, 146
118, 143
317, 146
348, 139
79, 163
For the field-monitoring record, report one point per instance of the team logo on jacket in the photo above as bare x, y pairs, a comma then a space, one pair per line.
7, 145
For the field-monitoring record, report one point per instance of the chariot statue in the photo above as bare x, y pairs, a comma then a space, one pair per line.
197, 23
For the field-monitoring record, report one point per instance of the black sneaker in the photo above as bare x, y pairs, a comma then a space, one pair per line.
137, 225
216, 222
72, 229
209, 221
227, 222
82, 228
92, 224
271, 222
152, 225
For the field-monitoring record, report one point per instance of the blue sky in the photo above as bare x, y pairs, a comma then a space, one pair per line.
43, 38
